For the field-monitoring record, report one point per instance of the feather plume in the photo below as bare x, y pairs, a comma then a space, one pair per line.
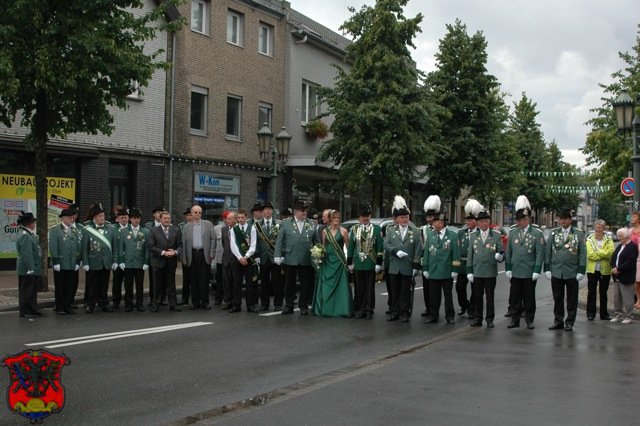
399, 203
432, 203
522, 203
473, 207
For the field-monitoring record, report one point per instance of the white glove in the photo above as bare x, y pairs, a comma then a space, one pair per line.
56, 268
426, 274
548, 274
114, 266
86, 268
416, 272
350, 267
579, 277
122, 266
257, 260
378, 269
278, 260
499, 257
470, 278
30, 272
145, 267
509, 274
535, 276
77, 268
401, 254
454, 275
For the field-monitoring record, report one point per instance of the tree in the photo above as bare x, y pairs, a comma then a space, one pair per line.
471, 150
604, 147
62, 64
564, 175
383, 122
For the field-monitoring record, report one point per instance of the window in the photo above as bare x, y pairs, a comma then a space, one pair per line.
310, 106
199, 97
135, 91
264, 114
234, 114
265, 39
200, 16
121, 187
235, 28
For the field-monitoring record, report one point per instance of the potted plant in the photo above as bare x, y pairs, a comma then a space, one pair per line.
317, 129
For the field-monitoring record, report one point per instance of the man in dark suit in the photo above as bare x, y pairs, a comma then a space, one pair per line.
165, 244
227, 259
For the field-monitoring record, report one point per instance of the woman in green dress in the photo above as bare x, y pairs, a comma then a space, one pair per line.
333, 294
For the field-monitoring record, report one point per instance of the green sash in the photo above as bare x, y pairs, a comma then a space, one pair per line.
336, 246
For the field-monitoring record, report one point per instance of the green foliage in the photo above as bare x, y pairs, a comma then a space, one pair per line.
612, 211
474, 152
384, 121
317, 129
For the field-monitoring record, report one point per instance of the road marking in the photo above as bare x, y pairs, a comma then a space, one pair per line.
117, 335
270, 314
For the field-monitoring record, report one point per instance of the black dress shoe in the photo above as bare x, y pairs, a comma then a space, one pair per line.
476, 324
28, 316
225, 306
490, 324
128, 309
304, 311
277, 308
568, 327
450, 321
206, 307
252, 309
61, 312
508, 314
359, 315
140, 309
234, 310
36, 313
264, 308
155, 308
530, 326
404, 318
514, 324
217, 302
369, 315
605, 318
591, 318
175, 309
462, 312
194, 307
431, 320
392, 317
557, 326
426, 313
107, 309
89, 309
287, 310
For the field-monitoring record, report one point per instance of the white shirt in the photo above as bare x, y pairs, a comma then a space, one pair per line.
235, 247
403, 231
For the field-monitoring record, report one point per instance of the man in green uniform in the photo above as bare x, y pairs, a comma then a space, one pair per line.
64, 249
28, 266
483, 255
524, 259
472, 208
134, 260
271, 280
364, 256
565, 264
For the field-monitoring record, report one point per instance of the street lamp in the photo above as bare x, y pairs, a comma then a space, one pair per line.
279, 152
627, 119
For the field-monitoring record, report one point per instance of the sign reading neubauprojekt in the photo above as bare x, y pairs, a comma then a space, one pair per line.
216, 183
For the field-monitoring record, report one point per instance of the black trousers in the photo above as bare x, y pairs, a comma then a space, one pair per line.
186, 284
199, 279
597, 283
152, 290
461, 290
482, 286
271, 284
28, 293
164, 281
63, 281
116, 289
401, 290
227, 283
97, 287
387, 281
558, 286
132, 276
219, 284
436, 289
364, 295
74, 290
426, 295
305, 274
522, 298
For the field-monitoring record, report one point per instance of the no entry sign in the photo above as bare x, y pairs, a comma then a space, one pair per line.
627, 187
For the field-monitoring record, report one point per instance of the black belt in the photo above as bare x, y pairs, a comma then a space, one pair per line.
197, 249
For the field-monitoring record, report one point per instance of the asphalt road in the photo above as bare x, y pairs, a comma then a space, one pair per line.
248, 369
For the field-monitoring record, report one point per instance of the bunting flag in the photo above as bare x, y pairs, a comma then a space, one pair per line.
585, 173
576, 189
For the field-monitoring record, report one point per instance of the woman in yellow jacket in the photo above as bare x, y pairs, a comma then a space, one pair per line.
599, 250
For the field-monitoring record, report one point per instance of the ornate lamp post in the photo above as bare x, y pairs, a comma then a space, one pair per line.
275, 153
627, 119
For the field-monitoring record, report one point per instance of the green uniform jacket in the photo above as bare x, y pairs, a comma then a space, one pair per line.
134, 250
525, 256
412, 245
95, 252
117, 246
481, 257
566, 258
294, 246
29, 254
265, 249
463, 238
64, 248
372, 243
603, 255
441, 256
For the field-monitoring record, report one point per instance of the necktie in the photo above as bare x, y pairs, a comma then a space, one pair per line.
135, 232
403, 232
565, 233
300, 227
484, 236
166, 231
244, 228
268, 225
521, 235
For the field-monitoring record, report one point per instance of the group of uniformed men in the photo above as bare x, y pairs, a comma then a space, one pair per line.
269, 257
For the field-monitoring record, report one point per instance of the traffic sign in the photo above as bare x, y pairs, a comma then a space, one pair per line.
627, 187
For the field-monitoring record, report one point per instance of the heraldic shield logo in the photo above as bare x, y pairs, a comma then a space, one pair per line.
35, 391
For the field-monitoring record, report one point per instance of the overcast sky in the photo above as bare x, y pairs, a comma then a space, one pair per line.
557, 51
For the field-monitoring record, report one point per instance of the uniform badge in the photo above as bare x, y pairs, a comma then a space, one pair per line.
35, 391
516, 241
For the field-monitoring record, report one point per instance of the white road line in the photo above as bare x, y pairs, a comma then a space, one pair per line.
117, 335
270, 314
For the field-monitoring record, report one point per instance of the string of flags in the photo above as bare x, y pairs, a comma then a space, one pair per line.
580, 173
576, 189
